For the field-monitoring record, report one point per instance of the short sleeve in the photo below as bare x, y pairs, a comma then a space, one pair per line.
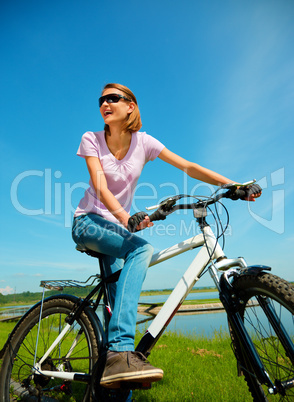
152, 147
88, 145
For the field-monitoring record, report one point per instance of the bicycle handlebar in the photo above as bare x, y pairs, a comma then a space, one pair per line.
168, 206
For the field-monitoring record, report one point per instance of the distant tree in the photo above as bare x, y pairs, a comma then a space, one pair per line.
2, 299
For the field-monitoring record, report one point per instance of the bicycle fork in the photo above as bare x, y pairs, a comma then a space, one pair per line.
282, 335
228, 299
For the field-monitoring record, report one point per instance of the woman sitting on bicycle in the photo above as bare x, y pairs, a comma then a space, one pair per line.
115, 158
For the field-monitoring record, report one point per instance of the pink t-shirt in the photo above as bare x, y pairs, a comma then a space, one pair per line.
121, 175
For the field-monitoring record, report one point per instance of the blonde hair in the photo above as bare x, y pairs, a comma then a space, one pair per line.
133, 122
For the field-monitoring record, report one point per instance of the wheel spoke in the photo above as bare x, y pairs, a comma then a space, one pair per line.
266, 340
76, 351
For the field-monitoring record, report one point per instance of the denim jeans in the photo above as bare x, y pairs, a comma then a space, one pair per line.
122, 250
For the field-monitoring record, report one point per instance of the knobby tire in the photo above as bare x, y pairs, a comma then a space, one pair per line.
271, 352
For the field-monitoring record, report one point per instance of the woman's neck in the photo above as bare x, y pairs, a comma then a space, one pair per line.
115, 132
118, 142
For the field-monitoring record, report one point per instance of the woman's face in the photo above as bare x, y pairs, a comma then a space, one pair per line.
115, 113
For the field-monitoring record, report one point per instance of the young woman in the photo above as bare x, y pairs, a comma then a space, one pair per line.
115, 158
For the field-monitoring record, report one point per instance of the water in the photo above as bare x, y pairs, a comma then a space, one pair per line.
197, 324
15, 307
13, 311
204, 324
191, 296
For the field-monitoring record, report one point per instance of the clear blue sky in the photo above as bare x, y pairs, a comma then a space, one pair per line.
215, 83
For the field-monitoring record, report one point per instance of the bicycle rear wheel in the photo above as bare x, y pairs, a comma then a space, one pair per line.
280, 295
76, 352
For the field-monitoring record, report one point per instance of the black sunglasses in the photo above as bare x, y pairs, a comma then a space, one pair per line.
111, 98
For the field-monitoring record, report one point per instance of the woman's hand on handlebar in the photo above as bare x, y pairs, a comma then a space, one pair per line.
247, 193
251, 192
139, 221
144, 224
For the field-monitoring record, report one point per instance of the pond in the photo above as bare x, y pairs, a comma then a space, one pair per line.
204, 324
191, 296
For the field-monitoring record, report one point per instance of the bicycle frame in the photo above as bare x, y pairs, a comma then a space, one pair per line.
210, 250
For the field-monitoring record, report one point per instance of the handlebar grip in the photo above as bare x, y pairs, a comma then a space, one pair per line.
244, 192
239, 194
157, 216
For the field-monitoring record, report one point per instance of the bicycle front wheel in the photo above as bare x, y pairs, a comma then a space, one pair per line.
77, 351
278, 296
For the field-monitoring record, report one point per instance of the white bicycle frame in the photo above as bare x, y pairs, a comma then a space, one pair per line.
210, 250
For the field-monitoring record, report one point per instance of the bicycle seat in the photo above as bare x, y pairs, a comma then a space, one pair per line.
86, 250
109, 279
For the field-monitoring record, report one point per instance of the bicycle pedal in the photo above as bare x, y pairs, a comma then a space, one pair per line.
66, 388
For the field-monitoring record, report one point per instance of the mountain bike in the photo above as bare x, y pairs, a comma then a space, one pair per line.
59, 346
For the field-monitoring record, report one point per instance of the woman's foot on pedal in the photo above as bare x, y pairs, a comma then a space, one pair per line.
128, 366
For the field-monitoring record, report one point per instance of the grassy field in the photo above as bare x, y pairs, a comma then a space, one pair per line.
168, 291
32, 298
195, 368
5, 329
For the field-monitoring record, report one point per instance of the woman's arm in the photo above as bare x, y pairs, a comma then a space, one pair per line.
197, 171
192, 169
102, 191
105, 195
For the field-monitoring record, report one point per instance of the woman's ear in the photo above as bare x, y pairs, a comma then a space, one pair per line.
131, 107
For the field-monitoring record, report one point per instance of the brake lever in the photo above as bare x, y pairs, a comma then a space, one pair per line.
169, 202
158, 205
232, 186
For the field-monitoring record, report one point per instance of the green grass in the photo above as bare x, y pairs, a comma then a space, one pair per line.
48, 331
168, 291
5, 329
185, 303
195, 368
202, 301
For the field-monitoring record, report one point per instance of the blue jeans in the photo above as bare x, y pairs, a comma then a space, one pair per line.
122, 250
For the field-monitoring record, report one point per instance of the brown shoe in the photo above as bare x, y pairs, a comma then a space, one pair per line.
128, 366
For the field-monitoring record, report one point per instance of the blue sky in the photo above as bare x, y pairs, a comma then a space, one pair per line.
215, 83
